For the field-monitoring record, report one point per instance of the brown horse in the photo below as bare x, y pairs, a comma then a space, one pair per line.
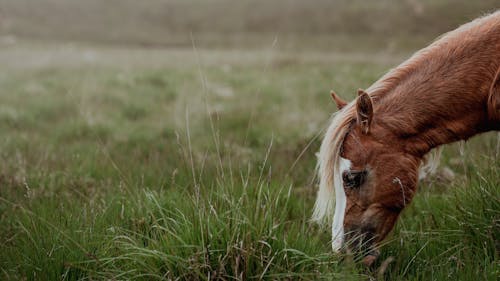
372, 151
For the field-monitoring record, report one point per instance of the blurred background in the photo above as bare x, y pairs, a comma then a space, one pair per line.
248, 23
127, 70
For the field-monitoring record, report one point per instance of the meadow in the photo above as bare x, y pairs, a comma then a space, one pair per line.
131, 155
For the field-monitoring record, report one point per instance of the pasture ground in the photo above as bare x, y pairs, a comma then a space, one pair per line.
196, 161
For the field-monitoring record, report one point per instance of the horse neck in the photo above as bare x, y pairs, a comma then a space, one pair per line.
440, 102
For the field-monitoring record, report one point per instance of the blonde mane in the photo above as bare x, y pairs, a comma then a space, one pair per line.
328, 163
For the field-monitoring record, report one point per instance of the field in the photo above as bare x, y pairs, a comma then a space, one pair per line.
170, 141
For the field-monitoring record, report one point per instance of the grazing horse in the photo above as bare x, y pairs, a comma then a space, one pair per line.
370, 156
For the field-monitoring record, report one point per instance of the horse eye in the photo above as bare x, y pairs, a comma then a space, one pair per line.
353, 178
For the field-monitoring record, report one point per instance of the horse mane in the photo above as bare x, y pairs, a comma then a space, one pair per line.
330, 183
329, 160
443, 43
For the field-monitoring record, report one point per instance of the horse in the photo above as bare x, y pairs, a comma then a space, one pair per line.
369, 159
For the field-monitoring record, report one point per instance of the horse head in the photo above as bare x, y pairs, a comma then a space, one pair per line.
373, 175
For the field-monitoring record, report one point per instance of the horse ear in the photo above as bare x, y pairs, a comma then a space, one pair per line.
364, 108
494, 99
340, 102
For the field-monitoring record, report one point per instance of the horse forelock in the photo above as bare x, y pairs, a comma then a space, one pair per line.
329, 161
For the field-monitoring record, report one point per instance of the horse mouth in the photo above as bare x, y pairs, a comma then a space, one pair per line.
366, 257
370, 257
362, 244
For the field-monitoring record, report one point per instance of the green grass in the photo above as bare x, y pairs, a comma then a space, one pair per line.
206, 171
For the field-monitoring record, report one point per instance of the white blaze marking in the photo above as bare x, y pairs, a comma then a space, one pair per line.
340, 204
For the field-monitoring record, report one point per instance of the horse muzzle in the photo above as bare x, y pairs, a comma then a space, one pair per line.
361, 243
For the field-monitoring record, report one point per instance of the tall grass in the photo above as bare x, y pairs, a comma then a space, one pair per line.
108, 172
237, 227
235, 224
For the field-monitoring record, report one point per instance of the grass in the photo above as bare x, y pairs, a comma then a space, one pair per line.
196, 162
177, 172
